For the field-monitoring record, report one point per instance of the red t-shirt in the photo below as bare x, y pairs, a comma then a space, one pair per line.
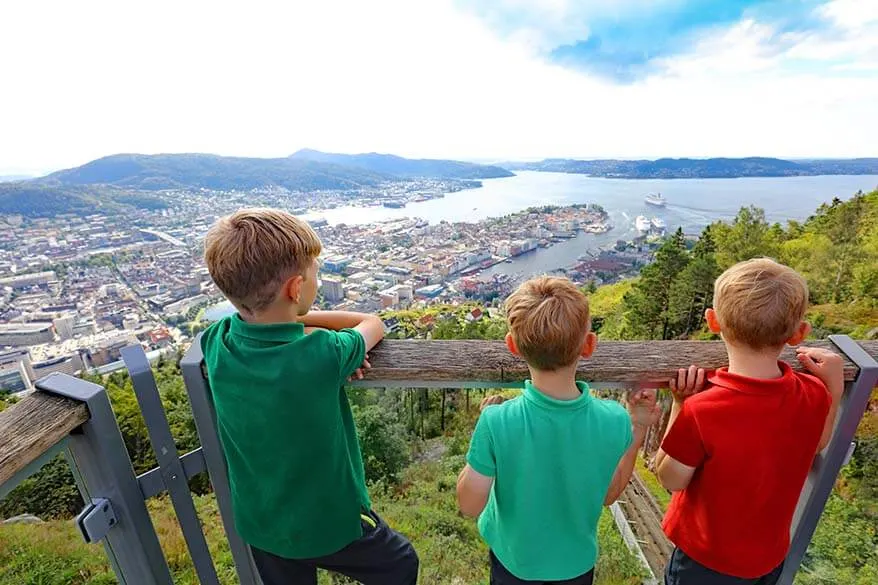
753, 442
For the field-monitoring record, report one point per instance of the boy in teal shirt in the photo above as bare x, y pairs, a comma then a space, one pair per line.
541, 466
277, 373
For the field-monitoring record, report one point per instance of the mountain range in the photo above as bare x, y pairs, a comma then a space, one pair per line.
133, 179
708, 168
115, 180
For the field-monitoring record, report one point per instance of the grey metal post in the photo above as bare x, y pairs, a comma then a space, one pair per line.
828, 465
171, 467
102, 469
205, 423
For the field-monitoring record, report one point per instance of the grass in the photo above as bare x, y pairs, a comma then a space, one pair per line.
423, 506
651, 482
855, 319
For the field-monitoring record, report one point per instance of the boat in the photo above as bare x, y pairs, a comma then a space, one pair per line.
642, 223
656, 199
658, 223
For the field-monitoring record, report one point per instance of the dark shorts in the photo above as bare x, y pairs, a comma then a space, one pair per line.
380, 557
500, 576
683, 570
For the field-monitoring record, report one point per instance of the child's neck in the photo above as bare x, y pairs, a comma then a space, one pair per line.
271, 315
760, 364
558, 384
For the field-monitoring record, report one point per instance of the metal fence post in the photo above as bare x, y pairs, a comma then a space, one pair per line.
205, 422
170, 466
828, 465
102, 468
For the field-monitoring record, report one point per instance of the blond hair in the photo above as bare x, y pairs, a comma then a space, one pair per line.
760, 303
548, 319
252, 252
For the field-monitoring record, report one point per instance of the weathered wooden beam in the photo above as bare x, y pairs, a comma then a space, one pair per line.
32, 426
628, 362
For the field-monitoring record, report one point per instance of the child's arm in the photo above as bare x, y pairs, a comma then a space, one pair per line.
672, 474
474, 487
473, 490
829, 367
644, 412
371, 327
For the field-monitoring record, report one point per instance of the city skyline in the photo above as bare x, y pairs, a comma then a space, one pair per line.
485, 81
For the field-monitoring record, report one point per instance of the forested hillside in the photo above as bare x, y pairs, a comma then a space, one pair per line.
414, 440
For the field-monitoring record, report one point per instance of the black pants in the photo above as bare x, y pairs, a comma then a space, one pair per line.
500, 576
380, 557
683, 570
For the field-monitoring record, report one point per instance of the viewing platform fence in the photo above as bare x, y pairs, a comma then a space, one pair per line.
72, 416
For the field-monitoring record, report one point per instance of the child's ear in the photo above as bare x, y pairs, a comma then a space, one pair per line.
589, 344
801, 333
712, 321
510, 343
292, 288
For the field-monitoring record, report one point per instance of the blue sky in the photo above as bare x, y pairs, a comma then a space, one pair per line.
626, 41
473, 79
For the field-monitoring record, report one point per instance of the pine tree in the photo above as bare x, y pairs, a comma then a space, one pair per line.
692, 290
648, 304
749, 236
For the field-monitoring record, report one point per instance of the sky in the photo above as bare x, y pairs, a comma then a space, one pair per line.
466, 79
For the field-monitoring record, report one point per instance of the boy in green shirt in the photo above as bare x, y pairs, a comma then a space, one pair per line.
277, 375
541, 466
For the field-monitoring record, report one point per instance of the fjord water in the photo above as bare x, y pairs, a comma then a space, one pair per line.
692, 204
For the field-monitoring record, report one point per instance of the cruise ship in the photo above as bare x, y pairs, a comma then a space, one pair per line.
656, 199
642, 223
658, 223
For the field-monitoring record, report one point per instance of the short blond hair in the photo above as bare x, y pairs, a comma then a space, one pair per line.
548, 319
760, 303
252, 252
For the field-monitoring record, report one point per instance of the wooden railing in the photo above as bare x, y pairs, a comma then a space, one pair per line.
486, 363
31, 427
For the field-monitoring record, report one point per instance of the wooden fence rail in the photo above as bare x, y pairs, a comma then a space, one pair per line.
626, 362
31, 427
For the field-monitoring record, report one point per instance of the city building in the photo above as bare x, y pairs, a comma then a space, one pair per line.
332, 289
64, 326
24, 334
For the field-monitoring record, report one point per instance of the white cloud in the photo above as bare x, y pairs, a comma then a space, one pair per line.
86, 79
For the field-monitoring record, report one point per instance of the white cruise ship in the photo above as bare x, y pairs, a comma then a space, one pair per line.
642, 223
658, 223
656, 199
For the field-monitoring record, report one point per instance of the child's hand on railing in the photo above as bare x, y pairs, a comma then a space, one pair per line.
826, 365
489, 400
359, 372
687, 383
643, 407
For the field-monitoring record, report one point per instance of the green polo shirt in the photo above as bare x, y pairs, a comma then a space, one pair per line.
286, 428
552, 462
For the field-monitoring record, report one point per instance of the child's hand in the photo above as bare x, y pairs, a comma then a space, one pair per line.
826, 365
643, 407
489, 400
358, 374
687, 383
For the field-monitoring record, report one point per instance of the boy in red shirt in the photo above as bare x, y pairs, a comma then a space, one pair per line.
737, 451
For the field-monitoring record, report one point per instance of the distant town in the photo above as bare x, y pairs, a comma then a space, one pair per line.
76, 289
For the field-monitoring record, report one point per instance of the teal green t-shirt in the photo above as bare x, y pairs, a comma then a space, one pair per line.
552, 462
295, 468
